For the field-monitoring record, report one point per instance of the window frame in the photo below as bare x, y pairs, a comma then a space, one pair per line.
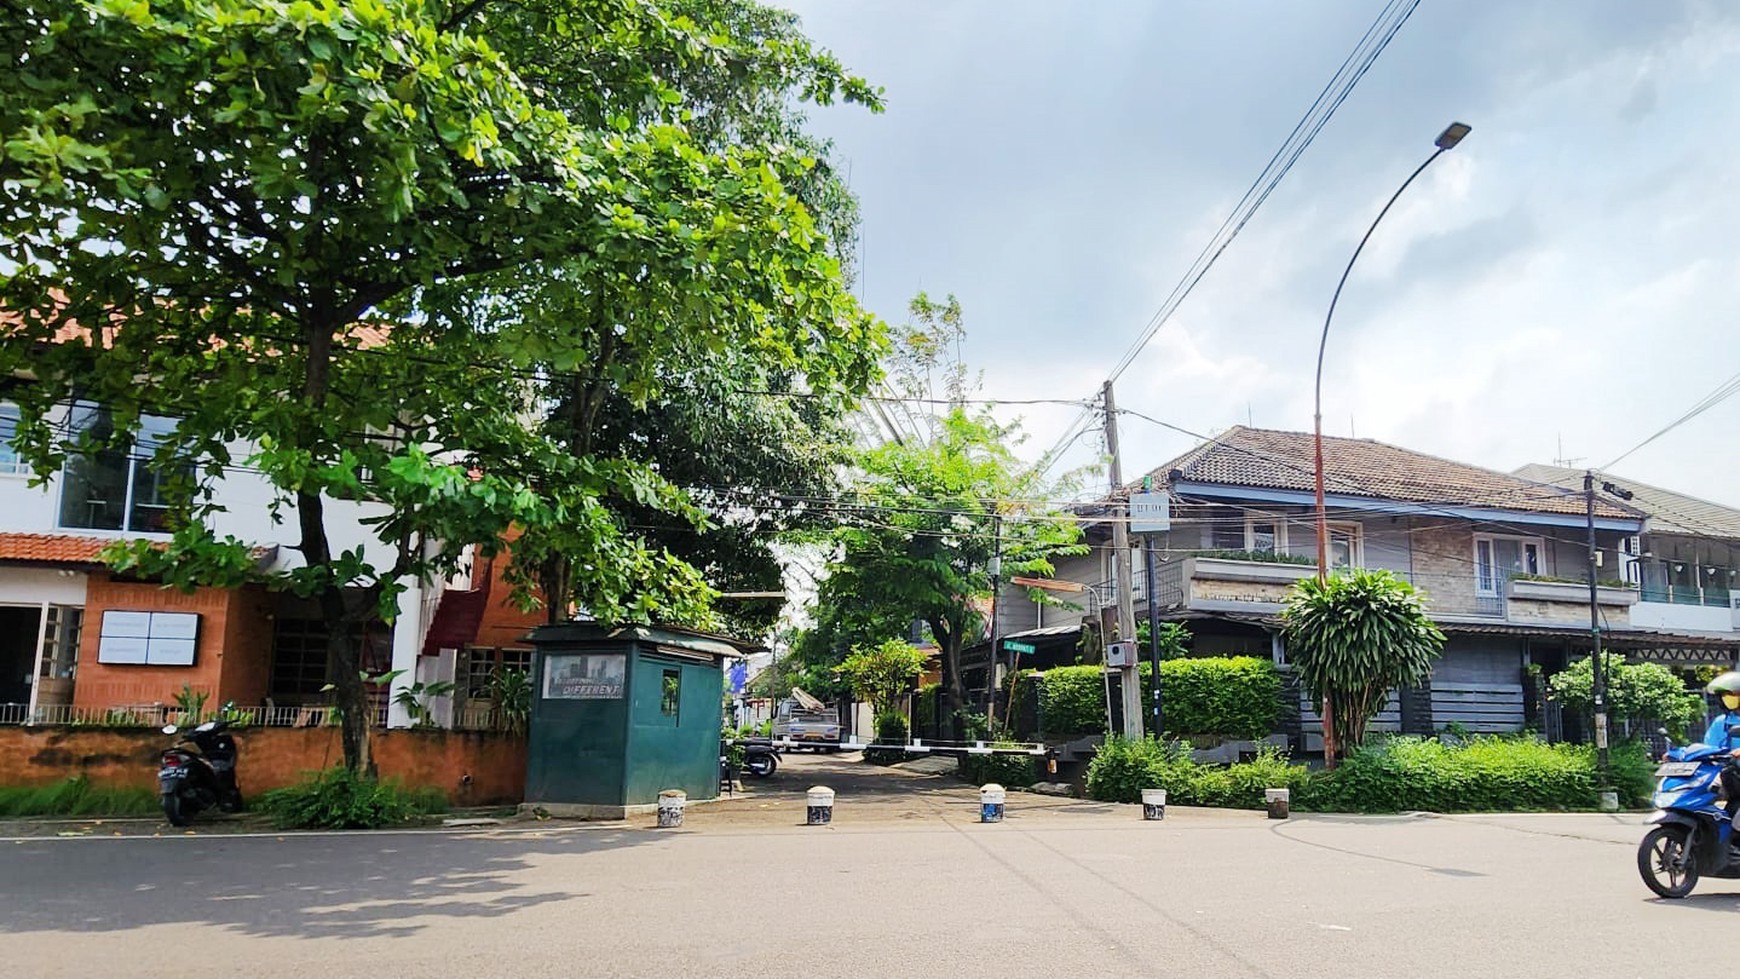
671, 692
135, 469
1499, 576
11, 463
1356, 543
1279, 533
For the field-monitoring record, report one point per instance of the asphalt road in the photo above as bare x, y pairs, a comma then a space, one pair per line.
904, 883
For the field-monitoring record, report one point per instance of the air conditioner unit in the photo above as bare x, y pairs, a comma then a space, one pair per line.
1122, 653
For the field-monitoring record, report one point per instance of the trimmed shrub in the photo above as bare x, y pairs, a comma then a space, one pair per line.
1486, 774
1489, 774
1236, 697
890, 729
338, 798
1011, 771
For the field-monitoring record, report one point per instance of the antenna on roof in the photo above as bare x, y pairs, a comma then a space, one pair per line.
1561, 461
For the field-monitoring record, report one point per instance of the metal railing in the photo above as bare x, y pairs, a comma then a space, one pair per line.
468, 717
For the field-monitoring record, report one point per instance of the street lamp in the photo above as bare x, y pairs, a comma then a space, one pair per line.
1445, 142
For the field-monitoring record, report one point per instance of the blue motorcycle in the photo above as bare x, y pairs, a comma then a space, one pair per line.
1692, 835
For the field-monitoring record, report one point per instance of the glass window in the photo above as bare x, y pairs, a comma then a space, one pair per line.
1344, 549
482, 664
116, 487
60, 652
1227, 534
671, 692
10, 464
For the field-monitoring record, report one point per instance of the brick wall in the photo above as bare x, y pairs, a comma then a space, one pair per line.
107, 684
1444, 567
274, 757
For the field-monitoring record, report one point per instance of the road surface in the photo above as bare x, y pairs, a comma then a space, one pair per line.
904, 883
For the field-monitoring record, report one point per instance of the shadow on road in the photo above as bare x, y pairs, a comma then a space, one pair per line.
355, 886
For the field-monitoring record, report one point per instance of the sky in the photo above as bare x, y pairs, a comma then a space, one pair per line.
1560, 286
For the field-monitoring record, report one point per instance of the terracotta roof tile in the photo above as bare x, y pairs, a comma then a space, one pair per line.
1268, 459
52, 548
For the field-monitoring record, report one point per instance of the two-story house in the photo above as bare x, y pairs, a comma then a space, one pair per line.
78, 642
1501, 559
1686, 563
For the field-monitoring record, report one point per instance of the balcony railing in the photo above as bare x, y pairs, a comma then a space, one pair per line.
1688, 595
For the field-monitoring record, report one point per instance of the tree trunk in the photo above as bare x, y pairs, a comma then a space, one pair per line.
317, 552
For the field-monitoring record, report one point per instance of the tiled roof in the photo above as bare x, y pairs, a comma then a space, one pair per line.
1669, 512
51, 548
1267, 459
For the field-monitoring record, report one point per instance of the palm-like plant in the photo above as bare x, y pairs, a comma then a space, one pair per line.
1354, 638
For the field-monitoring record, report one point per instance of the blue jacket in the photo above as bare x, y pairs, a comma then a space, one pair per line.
1718, 735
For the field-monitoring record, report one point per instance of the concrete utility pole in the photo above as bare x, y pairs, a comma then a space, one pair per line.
1129, 680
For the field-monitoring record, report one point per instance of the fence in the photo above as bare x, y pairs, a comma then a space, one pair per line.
467, 717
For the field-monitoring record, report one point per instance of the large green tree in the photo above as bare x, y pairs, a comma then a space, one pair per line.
211, 208
929, 509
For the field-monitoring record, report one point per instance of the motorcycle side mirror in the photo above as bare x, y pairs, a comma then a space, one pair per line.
1662, 731
170, 729
1733, 729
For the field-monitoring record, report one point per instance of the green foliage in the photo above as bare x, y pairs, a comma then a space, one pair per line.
1354, 638
1603, 582
1388, 775
1122, 768
1260, 557
883, 673
338, 798
924, 706
929, 510
75, 797
415, 699
890, 729
510, 691
1235, 697
597, 194
1007, 770
191, 703
1174, 639
1635, 691
1482, 774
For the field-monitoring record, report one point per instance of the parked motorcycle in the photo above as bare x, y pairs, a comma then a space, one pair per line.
193, 781
1692, 835
760, 760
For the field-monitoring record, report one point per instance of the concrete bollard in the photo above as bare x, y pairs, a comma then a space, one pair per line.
991, 796
1279, 801
671, 802
820, 811
1153, 803
1609, 802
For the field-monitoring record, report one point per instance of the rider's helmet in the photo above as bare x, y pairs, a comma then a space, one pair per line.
1727, 686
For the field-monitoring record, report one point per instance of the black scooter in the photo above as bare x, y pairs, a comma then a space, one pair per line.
760, 759
193, 781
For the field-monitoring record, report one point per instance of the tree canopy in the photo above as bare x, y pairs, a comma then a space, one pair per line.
359, 249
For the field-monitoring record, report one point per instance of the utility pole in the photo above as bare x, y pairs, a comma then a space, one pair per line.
1129, 680
993, 657
1153, 629
1600, 690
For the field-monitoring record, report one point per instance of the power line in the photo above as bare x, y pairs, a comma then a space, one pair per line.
1372, 44
1723, 392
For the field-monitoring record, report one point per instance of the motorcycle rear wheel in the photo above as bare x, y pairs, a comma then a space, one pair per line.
173, 809
761, 766
1668, 868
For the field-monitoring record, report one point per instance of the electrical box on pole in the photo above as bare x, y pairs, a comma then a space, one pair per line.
1130, 683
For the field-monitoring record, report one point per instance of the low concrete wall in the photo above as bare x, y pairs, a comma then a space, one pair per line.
272, 758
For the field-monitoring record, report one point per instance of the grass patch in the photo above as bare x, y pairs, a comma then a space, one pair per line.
76, 797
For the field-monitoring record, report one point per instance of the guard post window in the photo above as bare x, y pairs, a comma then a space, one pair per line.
671, 692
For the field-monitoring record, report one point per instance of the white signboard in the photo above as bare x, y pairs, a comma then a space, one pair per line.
148, 638
1150, 513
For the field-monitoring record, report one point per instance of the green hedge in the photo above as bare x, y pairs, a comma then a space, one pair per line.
1489, 774
76, 797
338, 798
1010, 771
1237, 697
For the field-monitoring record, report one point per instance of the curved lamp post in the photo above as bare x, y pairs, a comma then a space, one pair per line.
1446, 141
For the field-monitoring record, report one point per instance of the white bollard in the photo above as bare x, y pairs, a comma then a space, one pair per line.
991, 797
820, 810
671, 802
1153, 803
1279, 802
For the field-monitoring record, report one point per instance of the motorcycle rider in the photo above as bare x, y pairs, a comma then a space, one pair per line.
1727, 686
